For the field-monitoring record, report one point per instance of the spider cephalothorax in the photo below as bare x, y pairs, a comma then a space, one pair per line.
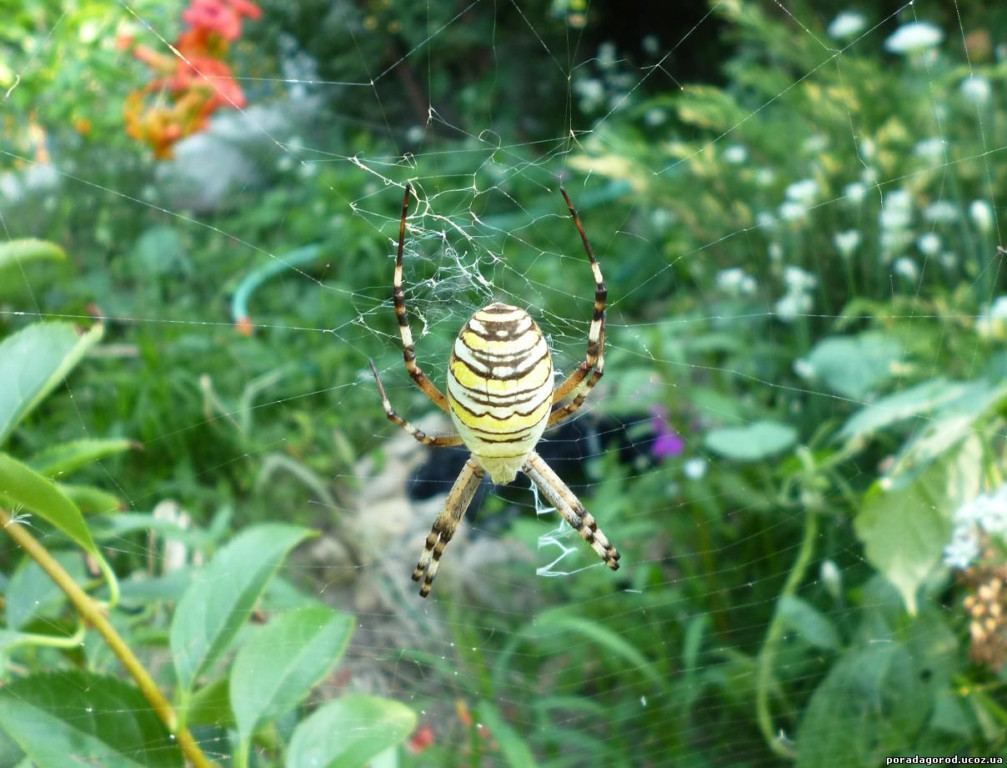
501, 398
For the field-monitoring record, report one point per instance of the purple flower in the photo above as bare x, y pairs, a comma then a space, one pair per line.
667, 442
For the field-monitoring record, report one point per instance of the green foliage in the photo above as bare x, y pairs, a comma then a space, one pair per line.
801, 259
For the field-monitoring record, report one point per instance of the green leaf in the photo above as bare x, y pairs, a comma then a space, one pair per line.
953, 422
85, 719
611, 642
29, 249
514, 748
892, 409
854, 366
91, 500
21, 486
63, 458
802, 618
211, 705
33, 361
349, 731
870, 706
905, 530
222, 596
751, 443
266, 684
32, 593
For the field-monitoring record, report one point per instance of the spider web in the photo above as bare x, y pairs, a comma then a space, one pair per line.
525, 634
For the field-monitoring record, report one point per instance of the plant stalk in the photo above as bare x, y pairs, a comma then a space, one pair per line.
773, 636
91, 614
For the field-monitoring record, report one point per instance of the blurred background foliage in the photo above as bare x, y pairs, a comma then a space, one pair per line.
798, 222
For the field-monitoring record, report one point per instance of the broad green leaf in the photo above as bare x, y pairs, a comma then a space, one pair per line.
32, 593
954, 421
29, 249
854, 366
349, 731
211, 705
79, 718
63, 458
91, 500
33, 361
279, 664
22, 487
871, 705
905, 530
222, 596
751, 443
802, 618
514, 748
889, 410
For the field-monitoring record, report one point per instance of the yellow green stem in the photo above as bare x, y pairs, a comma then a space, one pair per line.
91, 613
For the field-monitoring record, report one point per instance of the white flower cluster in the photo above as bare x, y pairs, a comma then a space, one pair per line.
896, 219
986, 513
736, 282
797, 300
800, 195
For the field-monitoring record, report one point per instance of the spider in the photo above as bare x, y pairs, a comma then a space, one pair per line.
501, 396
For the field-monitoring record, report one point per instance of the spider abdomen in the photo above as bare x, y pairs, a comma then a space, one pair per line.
500, 387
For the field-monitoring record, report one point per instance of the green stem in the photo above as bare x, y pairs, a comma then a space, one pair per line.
773, 636
91, 613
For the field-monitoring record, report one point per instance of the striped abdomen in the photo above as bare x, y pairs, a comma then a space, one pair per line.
500, 387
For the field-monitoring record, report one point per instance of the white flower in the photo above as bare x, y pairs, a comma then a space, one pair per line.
661, 219
896, 212
998, 311
941, 211
815, 145
867, 149
736, 282
695, 469
735, 154
775, 252
906, 267
929, 243
846, 242
651, 44
655, 116
764, 219
981, 214
797, 280
832, 578
764, 177
415, 134
913, 37
591, 92
948, 260
855, 192
847, 24
793, 211
977, 90
792, 305
804, 369
803, 191
869, 175
728, 280
963, 549
606, 55
933, 149
895, 240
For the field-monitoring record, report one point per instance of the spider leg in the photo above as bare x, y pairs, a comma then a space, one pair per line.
446, 524
596, 334
442, 441
399, 298
570, 507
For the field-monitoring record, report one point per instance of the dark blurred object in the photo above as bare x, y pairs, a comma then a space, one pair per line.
566, 449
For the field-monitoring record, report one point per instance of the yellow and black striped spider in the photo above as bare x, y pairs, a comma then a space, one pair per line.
501, 398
